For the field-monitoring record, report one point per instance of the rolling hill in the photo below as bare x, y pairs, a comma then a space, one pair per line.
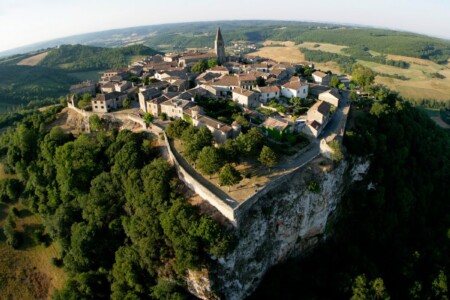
51, 75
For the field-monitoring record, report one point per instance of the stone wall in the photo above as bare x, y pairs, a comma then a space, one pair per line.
225, 209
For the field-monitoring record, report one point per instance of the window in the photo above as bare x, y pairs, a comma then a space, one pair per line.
103, 107
96, 106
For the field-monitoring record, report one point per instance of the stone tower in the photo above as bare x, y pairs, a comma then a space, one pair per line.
219, 47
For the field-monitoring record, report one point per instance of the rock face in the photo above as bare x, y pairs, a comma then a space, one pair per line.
285, 222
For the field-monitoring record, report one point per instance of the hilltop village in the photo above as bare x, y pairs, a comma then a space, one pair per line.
171, 84
285, 103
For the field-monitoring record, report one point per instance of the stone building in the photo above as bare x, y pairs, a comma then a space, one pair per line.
219, 47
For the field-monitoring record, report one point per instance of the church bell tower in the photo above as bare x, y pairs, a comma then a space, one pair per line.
219, 47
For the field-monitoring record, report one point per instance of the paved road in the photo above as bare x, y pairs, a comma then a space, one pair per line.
312, 152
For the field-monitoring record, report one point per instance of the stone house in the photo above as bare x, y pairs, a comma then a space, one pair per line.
246, 98
220, 131
268, 92
321, 78
276, 128
331, 96
317, 118
295, 89
104, 103
247, 81
173, 108
147, 95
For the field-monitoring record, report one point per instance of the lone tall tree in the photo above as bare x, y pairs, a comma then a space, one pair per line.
208, 160
267, 157
229, 176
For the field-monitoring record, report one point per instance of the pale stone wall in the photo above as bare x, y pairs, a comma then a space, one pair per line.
201, 190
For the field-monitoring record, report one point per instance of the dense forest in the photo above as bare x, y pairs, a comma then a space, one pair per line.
391, 236
87, 58
113, 205
22, 84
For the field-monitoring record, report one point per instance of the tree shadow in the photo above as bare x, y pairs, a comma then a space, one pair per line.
3, 211
33, 235
23, 213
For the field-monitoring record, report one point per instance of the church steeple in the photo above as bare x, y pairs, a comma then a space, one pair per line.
219, 47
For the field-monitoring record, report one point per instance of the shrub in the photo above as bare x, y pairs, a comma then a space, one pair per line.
313, 187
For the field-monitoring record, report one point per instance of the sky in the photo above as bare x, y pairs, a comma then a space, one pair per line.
24, 22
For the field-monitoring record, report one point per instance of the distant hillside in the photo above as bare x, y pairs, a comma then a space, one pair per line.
87, 58
168, 37
22, 84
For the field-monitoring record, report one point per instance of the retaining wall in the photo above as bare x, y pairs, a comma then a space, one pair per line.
225, 209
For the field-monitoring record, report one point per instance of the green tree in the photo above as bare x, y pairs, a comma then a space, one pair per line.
148, 118
440, 287
208, 160
336, 148
200, 67
12, 237
335, 82
268, 157
85, 101
363, 76
126, 103
353, 96
176, 128
95, 123
229, 176
212, 63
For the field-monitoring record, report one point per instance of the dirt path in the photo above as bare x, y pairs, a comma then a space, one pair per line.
440, 122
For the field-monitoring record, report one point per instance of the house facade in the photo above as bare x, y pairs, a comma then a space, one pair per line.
269, 92
246, 98
321, 78
331, 96
295, 89
104, 103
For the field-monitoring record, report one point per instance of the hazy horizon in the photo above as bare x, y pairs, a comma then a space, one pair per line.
23, 27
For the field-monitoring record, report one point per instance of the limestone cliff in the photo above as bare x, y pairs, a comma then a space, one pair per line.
285, 222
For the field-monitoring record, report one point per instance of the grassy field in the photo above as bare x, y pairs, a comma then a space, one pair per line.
32, 60
291, 53
420, 85
27, 273
323, 47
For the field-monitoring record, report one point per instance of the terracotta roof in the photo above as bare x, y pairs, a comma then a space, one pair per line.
214, 123
184, 104
246, 77
226, 81
219, 68
333, 92
320, 74
243, 92
294, 85
108, 96
275, 124
269, 89
277, 71
322, 107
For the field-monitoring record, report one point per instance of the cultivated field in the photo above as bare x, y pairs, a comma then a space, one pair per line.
420, 85
323, 47
32, 60
291, 53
